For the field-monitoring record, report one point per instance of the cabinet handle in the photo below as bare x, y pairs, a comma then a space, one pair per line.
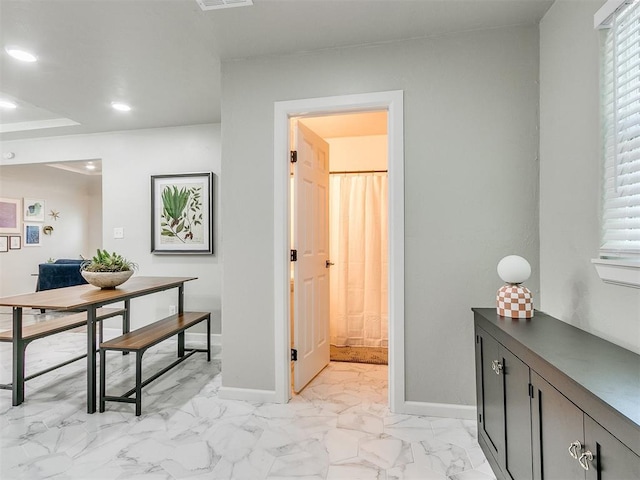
584, 459
496, 366
573, 448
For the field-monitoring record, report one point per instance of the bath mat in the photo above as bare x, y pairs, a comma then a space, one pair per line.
377, 355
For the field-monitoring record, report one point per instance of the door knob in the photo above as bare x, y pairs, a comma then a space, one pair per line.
327, 264
573, 449
584, 459
496, 366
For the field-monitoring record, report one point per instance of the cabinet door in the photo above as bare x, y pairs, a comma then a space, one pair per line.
557, 423
491, 394
612, 460
517, 417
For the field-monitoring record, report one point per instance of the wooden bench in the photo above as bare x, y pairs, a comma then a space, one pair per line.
143, 338
57, 325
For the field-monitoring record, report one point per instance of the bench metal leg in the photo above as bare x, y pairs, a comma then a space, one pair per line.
139, 383
126, 320
103, 378
209, 338
181, 344
18, 358
180, 312
91, 359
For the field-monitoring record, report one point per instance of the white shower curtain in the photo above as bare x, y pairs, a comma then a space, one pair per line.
358, 231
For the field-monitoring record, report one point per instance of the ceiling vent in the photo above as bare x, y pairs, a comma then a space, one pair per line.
218, 4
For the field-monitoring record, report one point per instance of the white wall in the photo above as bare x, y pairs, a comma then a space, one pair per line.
471, 190
570, 187
367, 152
78, 199
128, 161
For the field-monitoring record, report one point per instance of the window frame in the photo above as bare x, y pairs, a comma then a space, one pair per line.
616, 264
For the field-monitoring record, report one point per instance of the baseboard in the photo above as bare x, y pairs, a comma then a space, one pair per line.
216, 338
446, 410
247, 395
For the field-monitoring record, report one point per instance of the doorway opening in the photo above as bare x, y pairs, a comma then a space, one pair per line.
391, 103
354, 147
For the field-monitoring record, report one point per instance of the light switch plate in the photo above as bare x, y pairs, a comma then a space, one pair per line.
118, 232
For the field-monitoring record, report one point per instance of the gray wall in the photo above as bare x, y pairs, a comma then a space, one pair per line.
570, 186
128, 161
471, 190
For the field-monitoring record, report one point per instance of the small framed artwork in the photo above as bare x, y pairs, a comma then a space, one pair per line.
15, 242
10, 218
4, 243
181, 213
33, 209
32, 234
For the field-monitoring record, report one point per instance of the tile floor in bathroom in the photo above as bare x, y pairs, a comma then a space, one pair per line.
339, 427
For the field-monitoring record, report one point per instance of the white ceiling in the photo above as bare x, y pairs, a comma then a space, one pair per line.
163, 56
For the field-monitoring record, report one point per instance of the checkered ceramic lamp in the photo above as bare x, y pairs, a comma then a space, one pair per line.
514, 300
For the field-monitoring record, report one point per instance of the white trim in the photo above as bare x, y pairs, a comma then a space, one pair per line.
392, 101
216, 338
602, 18
247, 395
37, 125
445, 410
618, 272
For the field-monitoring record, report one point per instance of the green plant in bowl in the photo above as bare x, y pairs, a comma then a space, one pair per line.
104, 261
107, 270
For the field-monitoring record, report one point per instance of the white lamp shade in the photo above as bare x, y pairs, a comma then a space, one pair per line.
514, 269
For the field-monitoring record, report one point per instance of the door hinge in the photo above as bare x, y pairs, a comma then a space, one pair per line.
294, 355
294, 156
530, 390
294, 255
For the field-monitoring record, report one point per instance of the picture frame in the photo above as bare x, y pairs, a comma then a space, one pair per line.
33, 210
182, 213
10, 217
15, 242
4, 243
32, 234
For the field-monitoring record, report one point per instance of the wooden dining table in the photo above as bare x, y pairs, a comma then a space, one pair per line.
81, 298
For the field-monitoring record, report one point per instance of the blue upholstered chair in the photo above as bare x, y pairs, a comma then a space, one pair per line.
62, 273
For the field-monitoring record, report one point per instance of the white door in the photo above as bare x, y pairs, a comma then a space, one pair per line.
311, 270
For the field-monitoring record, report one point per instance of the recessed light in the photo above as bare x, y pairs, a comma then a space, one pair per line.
90, 166
7, 105
123, 107
21, 55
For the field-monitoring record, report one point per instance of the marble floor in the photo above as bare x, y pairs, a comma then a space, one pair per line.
339, 427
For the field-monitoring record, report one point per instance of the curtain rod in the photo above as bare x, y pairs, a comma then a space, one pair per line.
358, 171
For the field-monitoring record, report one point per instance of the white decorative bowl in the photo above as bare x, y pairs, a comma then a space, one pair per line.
106, 279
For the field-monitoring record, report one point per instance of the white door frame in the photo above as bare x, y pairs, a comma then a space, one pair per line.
392, 101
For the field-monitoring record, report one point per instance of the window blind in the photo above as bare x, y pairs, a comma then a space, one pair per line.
621, 131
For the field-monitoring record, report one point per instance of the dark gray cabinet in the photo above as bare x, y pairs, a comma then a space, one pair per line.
612, 460
568, 444
504, 411
554, 402
558, 436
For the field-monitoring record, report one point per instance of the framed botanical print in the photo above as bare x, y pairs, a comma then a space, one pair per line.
181, 213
